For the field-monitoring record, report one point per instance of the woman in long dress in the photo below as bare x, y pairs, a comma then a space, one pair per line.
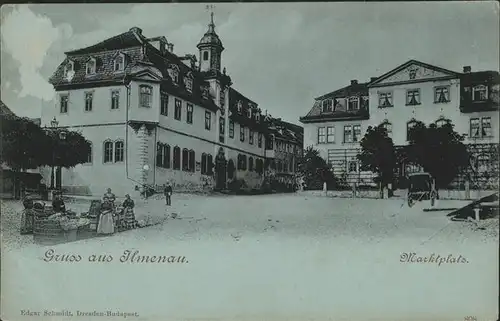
128, 221
106, 225
27, 216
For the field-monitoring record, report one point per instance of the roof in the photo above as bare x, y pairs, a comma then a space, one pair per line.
354, 89
210, 37
127, 39
4, 110
481, 76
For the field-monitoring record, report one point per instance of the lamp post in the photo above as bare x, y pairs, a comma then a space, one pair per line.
61, 135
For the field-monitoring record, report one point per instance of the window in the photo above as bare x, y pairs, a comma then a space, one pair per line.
242, 133
475, 125
441, 94
166, 156
486, 126
88, 101
259, 139
189, 84
192, 161
250, 136
69, 68
384, 99
210, 165
63, 107
388, 128
119, 151
185, 159
269, 142
174, 74
90, 68
242, 162
205, 55
290, 169
164, 104
441, 122
206, 163
115, 99
479, 93
353, 166
108, 152
353, 103
327, 105
162, 155
178, 109
177, 158
89, 154
279, 166
285, 166
356, 133
231, 129
409, 127
119, 63
413, 97
483, 163
189, 116
145, 93
250, 163
321, 135
347, 133
222, 125
208, 120
330, 134
239, 105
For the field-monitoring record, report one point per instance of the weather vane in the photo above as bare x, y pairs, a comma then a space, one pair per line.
211, 7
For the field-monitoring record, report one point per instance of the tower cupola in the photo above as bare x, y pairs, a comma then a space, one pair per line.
210, 47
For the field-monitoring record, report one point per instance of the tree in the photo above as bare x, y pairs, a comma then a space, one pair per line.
24, 144
69, 151
439, 150
378, 154
315, 170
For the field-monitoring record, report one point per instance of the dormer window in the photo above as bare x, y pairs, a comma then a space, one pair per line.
204, 92
119, 63
173, 71
353, 103
239, 105
327, 105
91, 66
479, 93
188, 81
70, 67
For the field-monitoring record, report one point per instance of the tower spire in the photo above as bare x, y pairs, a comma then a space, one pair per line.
211, 25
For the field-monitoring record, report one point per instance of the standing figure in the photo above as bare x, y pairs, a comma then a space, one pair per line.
27, 216
58, 204
109, 197
128, 221
106, 225
168, 194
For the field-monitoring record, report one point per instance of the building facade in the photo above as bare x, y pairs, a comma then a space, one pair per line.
153, 116
412, 92
335, 125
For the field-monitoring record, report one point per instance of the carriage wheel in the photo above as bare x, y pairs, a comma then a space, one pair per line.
411, 201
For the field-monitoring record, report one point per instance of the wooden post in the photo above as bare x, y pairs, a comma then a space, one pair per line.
477, 209
467, 189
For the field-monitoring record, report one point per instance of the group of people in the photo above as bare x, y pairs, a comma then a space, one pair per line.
110, 218
115, 217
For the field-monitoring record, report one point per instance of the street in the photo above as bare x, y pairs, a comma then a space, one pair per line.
280, 255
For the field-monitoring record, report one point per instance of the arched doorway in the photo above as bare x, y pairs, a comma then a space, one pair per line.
220, 170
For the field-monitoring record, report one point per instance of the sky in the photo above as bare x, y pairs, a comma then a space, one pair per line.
281, 55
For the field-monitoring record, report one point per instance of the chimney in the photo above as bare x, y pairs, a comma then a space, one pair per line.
354, 82
372, 79
467, 69
136, 30
170, 47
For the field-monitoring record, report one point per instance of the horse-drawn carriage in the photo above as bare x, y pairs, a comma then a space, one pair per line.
421, 186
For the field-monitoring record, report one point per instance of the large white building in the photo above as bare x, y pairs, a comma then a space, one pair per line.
154, 116
414, 91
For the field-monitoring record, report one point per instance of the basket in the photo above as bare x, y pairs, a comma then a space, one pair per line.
49, 232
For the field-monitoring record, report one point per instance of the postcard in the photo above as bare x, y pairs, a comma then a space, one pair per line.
250, 161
